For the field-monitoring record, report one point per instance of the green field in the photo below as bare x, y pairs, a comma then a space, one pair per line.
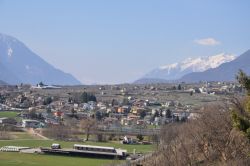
8, 114
47, 143
19, 159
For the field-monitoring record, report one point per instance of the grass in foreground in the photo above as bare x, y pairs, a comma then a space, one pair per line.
25, 139
19, 159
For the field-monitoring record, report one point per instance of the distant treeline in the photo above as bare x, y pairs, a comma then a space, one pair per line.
82, 97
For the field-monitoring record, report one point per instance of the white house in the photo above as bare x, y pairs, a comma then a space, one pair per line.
27, 123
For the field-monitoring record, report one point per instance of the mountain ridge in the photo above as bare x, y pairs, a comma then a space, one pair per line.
225, 72
24, 66
172, 72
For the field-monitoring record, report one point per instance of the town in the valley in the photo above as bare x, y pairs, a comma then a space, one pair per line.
125, 83
100, 118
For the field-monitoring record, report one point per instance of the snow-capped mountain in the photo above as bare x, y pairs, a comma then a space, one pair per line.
177, 70
224, 72
18, 64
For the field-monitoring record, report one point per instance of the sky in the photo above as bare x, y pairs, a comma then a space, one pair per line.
118, 41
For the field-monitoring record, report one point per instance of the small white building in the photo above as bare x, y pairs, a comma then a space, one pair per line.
203, 90
27, 123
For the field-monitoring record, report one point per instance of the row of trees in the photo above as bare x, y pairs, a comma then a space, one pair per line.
67, 130
77, 98
60, 132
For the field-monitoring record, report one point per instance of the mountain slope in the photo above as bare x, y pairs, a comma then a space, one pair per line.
177, 70
2, 82
225, 72
7, 75
20, 65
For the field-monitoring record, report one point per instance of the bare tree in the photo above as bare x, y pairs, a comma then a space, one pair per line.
4, 135
60, 132
88, 125
209, 139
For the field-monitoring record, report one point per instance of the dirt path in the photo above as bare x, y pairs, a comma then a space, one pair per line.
32, 132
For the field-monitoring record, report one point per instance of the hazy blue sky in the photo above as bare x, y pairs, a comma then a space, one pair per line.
114, 41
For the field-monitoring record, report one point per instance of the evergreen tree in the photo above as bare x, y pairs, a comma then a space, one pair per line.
157, 114
241, 118
168, 113
91, 97
125, 101
47, 101
179, 87
41, 83
84, 97
143, 114
140, 137
113, 102
98, 115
